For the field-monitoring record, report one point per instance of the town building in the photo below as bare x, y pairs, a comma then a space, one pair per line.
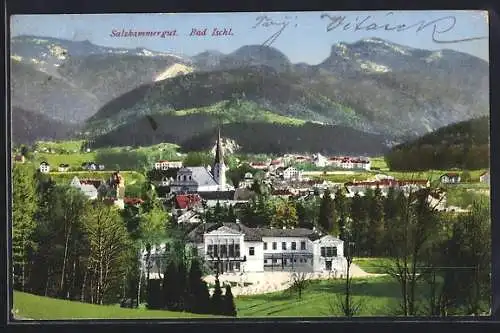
44, 167
165, 165
242, 249
63, 167
88, 188
291, 173
485, 177
450, 178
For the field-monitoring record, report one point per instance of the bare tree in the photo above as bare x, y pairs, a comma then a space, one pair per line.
299, 281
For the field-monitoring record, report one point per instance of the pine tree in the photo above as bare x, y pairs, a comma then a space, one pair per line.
359, 224
198, 296
341, 210
169, 289
181, 285
376, 227
229, 306
326, 217
216, 301
24, 208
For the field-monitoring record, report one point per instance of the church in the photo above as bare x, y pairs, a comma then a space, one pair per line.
203, 179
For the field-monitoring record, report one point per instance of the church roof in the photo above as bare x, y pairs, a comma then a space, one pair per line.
202, 176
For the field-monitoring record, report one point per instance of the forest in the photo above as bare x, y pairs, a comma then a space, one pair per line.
464, 145
68, 247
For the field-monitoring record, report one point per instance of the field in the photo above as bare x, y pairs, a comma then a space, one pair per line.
35, 307
380, 297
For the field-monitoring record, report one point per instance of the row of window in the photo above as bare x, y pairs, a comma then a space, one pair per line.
224, 250
274, 261
293, 246
328, 251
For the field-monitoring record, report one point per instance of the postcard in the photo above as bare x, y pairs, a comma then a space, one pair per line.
250, 165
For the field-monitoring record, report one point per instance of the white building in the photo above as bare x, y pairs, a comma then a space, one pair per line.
63, 167
244, 249
89, 190
292, 173
485, 177
320, 161
44, 167
165, 165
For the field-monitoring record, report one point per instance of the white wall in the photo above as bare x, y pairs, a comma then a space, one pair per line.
288, 240
254, 263
338, 263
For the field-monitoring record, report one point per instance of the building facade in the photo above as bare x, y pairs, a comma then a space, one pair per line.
237, 248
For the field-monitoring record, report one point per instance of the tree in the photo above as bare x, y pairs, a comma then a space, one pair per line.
24, 207
109, 241
199, 297
376, 227
347, 305
216, 301
360, 224
171, 293
229, 306
327, 214
299, 282
285, 214
410, 235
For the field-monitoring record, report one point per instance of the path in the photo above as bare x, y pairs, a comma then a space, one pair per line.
267, 282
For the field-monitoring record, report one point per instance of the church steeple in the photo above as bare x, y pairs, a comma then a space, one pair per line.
219, 154
219, 168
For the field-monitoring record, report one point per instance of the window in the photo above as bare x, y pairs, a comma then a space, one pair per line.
210, 250
331, 251
231, 250
275, 246
283, 245
216, 250
237, 250
223, 250
265, 246
265, 261
294, 246
302, 245
236, 266
251, 251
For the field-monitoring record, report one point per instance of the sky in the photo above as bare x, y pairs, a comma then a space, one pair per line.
304, 39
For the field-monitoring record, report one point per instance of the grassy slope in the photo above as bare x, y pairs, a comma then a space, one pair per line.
380, 296
44, 308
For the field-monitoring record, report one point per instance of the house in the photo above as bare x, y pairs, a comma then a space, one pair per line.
292, 173
165, 165
320, 161
19, 159
101, 166
247, 181
90, 166
485, 177
133, 201
87, 187
189, 216
450, 178
187, 201
278, 163
44, 167
259, 165
243, 249
63, 167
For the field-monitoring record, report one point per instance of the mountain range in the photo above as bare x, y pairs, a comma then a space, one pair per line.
372, 86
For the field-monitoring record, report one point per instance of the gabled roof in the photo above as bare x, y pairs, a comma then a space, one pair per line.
202, 176
451, 174
251, 234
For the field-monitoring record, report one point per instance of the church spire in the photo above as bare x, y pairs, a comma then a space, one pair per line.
219, 154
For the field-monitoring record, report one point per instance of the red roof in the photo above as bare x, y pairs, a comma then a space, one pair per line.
187, 200
276, 162
132, 201
451, 174
258, 163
